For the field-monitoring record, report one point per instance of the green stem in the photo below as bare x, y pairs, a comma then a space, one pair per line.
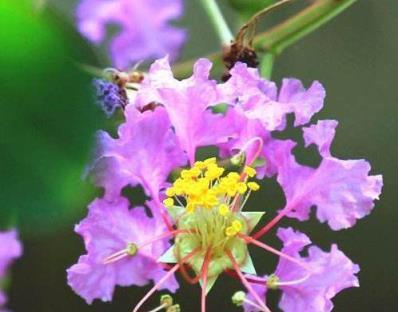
285, 34
266, 65
300, 25
218, 21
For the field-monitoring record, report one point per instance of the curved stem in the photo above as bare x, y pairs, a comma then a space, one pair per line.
278, 38
156, 287
164, 279
266, 247
245, 282
218, 21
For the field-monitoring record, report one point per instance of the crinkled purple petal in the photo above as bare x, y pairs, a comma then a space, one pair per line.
145, 152
304, 103
187, 103
257, 98
330, 273
145, 30
322, 135
342, 190
109, 228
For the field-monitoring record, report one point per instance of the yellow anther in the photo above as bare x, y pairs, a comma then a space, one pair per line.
230, 231
211, 160
200, 165
195, 172
251, 172
237, 225
223, 210
214, 172
168, 202
253, 186
185, 174
233, 176
171, 191
210, 200
242, 188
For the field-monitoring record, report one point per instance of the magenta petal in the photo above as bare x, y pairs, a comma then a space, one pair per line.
145, 30
145, 152
330, 273
342, 190
109, 228
187, 103
321, 134
304, 103
10, 250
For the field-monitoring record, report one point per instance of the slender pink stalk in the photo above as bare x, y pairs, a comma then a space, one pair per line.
271, 224
253, 241
162, 236
246, 283
164, 279
205, 267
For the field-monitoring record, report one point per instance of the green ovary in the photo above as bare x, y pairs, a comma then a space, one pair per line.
208, 235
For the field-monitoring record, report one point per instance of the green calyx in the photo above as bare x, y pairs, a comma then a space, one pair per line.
210, 237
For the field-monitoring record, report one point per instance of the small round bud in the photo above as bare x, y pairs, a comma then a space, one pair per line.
166, 301
132, 249
239, 298
273, 282
238, 159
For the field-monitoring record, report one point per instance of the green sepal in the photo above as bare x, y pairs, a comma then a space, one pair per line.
168, 256
175, 212
248, 266
210, 283
252, 218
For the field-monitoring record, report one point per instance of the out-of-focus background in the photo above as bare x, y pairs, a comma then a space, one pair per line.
48, 120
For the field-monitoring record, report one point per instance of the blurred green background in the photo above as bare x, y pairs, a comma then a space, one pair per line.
48, 122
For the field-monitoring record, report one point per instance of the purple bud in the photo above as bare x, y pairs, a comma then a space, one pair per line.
109, 96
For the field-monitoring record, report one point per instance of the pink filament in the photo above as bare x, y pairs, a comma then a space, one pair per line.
253, 241
164, 279
246, 283
205, 267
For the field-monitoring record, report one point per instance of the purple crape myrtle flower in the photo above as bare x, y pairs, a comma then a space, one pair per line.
199, 204
119, 251
311, 286
145, 31
10, 250
109, 96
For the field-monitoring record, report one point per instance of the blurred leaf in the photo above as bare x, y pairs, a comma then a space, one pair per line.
248, 8
47, 120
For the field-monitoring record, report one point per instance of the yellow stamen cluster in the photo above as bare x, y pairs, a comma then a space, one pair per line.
205, 186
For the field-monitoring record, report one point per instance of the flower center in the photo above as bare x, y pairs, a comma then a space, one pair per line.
211, 204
